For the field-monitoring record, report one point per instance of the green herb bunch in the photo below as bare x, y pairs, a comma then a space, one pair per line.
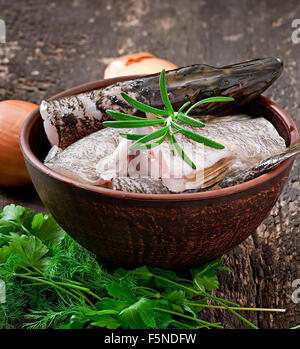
52, 282
169, 120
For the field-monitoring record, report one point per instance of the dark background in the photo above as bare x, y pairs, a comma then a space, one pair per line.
54, 45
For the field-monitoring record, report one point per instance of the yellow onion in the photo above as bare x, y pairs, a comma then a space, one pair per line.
137, 63
13, 172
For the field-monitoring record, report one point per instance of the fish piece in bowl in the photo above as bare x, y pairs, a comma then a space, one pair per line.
103, 158
79, 160
68, 119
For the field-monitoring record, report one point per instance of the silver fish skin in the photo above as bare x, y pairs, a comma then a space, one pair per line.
260, 168
145, 185
80, 159
246, 142
68, 119
102, 157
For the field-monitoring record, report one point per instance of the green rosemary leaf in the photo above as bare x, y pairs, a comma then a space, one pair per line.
196, 137
164, 92
149, 137
210, 100
122, 116
183, 106
143, 107
133, 123
181, 152
152, 145
190, 121
132, 136
172, 143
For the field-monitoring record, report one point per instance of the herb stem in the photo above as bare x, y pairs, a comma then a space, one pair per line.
47, 283
68, 280
177, 284
56, 276
218, 300
234, 308
71, 284
149, 291
20, 225
61, 297
85, 298
207, 324
188, 326
94, 295
231, 310
26, 230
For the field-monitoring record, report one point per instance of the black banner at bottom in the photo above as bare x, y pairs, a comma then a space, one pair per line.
136, 338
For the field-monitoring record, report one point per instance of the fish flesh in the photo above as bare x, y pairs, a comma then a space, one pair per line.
103, 158
259, 168
68, 119
79, 160
246, 142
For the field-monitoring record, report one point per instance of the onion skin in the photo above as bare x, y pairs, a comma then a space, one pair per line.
13, 172
137, 63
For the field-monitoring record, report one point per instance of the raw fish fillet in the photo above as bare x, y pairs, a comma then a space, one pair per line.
70, 118
103, 158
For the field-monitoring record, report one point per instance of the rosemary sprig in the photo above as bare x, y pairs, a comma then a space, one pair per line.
168, 120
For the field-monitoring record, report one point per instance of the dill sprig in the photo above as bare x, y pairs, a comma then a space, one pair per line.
58, 284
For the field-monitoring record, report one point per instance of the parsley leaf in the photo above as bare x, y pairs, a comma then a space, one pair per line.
206, 278
73, 291
120, 290
12, 213
31, 250
139, 315
18, 219
46, 228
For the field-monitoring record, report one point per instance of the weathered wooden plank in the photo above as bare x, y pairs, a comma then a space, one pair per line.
48, 51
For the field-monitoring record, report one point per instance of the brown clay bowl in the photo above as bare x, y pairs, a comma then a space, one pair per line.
169, 231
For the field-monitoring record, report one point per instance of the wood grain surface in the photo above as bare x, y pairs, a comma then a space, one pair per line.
54, 45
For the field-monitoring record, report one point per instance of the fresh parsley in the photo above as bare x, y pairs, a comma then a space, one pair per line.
52, 282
